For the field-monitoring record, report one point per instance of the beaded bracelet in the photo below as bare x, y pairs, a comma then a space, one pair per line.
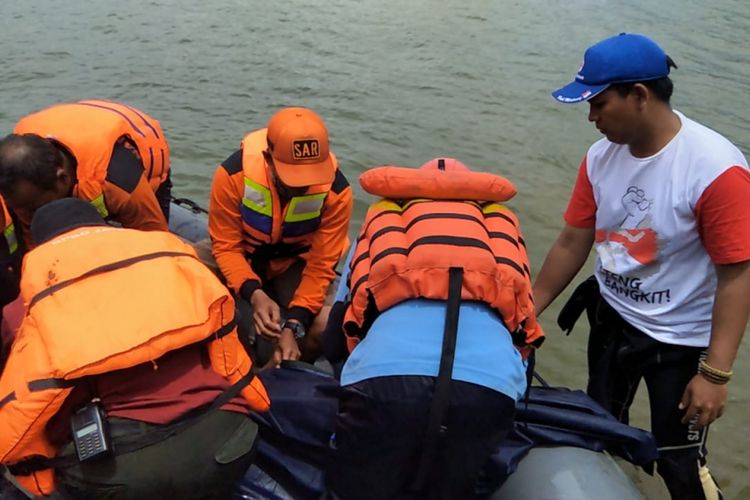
714, 375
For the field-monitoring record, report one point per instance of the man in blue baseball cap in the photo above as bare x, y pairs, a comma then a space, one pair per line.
666, 203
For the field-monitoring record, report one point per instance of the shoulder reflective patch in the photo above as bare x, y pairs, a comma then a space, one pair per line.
10, 238
306, 207
257, 198
233, 164
339, 182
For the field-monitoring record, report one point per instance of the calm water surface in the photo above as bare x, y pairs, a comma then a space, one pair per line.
398, 83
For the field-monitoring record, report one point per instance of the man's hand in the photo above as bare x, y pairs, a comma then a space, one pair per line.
704, 399
266, 315
288, 345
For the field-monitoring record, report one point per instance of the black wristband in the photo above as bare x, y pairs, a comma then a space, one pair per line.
248, 287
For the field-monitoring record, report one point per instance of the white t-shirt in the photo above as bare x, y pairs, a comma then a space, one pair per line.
652, 265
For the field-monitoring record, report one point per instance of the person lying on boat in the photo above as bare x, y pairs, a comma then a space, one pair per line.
109, 154
126, 378
278, 220
435, 306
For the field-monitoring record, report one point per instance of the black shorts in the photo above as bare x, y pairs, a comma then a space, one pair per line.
620, 356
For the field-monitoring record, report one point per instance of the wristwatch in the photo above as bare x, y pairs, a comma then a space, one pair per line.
296, 327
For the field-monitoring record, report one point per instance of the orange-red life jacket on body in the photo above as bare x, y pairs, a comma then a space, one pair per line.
264, 220
89, 130
428, 222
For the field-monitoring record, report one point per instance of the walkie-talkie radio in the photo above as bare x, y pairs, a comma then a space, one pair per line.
90, 432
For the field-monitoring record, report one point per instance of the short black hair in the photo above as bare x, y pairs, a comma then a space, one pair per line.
662, 88
28, 157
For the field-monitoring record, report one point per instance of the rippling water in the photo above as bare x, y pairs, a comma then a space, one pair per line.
398, 83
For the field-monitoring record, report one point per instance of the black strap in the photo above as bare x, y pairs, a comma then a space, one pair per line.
37, 462
441, 397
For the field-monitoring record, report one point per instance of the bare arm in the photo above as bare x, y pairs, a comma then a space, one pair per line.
731, 309
563, 261
704, 401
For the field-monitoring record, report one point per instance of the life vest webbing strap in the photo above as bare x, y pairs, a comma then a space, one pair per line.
361, 281
7, 399
44, 384
436, 428
224, 330
37, 462
105, 268
270, 251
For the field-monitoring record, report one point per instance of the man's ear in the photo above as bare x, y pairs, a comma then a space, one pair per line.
64, 180
641, 93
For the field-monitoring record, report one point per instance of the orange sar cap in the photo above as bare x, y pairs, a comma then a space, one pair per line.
298, 142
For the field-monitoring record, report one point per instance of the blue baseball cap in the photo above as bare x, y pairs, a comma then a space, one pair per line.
627, 57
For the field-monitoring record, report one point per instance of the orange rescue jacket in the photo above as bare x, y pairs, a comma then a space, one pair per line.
247, 221
449, 219
89, 129
101, 299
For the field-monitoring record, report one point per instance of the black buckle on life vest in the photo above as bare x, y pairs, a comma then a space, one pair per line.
519, 337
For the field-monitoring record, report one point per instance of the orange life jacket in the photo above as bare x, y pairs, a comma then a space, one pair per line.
89, 130
405, 249
263, 218
9, 233
101, 299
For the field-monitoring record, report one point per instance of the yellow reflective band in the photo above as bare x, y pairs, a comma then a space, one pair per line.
10, 236
257, 198
306, 207
100, 207
385, 204
415, 200
494, 208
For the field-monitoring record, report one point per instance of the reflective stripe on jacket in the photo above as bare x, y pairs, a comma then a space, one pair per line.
247, 222
9, 232
102, 299
264, 219
89, 129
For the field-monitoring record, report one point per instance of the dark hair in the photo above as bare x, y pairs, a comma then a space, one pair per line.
30, 158
662, 88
